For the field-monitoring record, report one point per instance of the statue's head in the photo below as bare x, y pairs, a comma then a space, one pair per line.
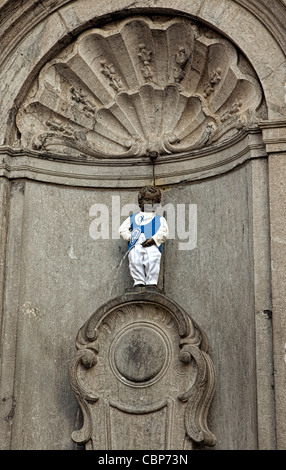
148, 198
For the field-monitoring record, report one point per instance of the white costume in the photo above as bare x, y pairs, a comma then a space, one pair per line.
144, 263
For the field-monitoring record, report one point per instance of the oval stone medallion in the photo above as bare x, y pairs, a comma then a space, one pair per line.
140, 354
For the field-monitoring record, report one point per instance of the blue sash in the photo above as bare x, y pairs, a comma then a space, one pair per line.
148, 229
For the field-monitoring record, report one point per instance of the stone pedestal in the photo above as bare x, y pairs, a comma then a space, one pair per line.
142, 376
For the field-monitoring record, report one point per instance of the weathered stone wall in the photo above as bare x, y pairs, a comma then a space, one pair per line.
217, 283
63, 275
54, 275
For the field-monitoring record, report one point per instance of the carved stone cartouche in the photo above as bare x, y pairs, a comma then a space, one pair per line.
142, 376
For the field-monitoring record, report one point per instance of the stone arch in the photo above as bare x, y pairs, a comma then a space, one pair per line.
204, 161
56, 25
141, 85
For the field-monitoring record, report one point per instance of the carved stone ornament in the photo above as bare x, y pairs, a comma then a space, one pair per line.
142, 376
137, 86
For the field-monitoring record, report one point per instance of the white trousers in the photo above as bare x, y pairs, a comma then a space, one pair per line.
144, 264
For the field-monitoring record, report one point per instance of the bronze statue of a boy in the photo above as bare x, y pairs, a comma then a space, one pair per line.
145, 232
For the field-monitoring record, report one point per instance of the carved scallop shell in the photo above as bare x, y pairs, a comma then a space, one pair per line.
140, 86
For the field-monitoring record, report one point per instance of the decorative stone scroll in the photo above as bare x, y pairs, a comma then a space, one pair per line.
140, 85
142, 376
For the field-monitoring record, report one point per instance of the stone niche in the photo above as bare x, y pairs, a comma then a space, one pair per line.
92, 117
142, 376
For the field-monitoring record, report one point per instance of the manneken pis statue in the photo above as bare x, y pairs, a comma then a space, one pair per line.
145, 232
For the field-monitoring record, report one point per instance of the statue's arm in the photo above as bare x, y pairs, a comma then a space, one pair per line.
125, 229
160, 236
162, 233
